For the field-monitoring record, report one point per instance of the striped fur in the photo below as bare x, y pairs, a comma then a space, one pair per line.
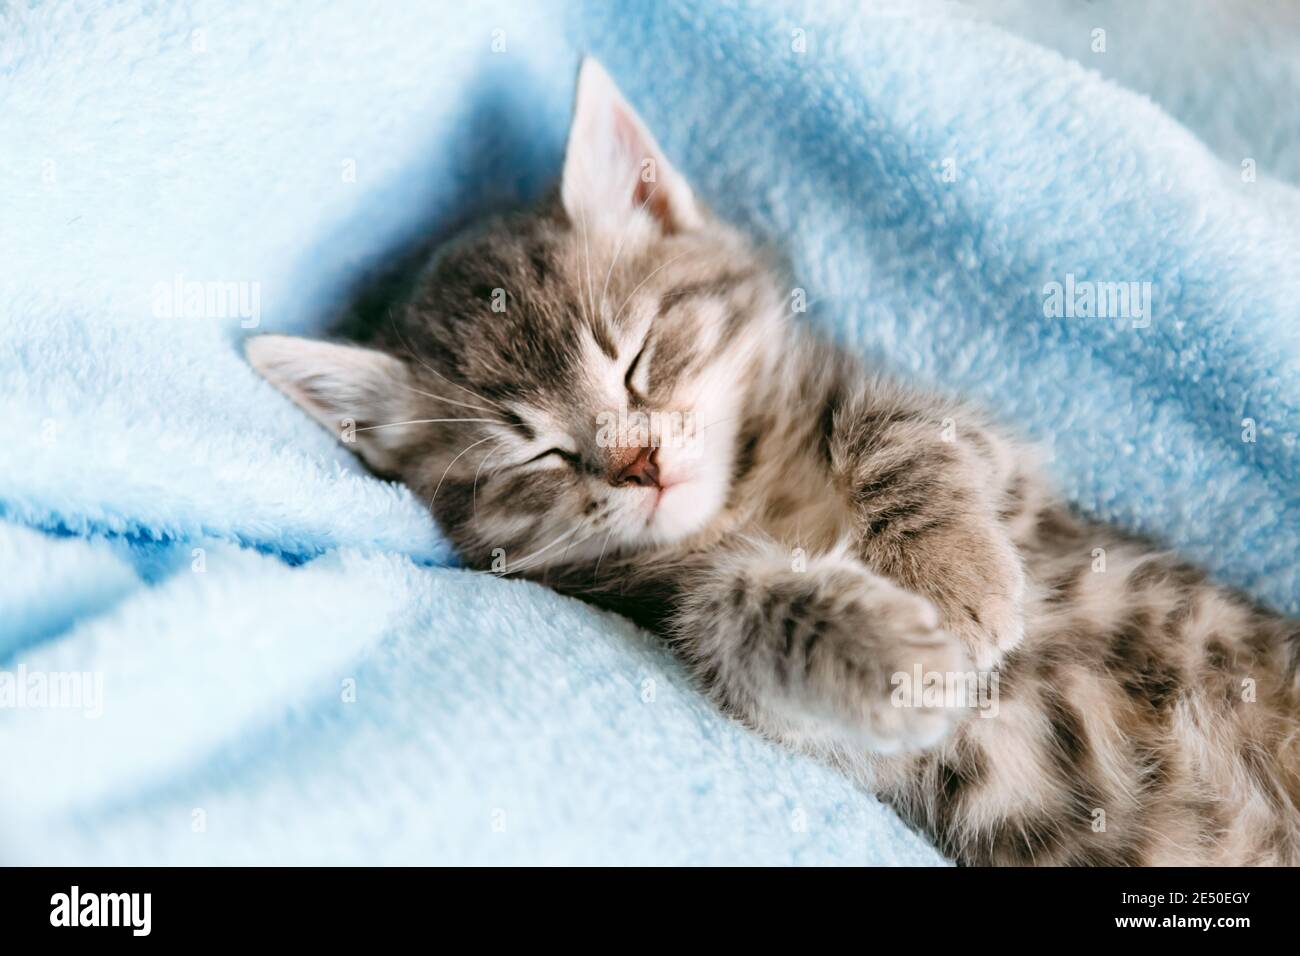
820, 532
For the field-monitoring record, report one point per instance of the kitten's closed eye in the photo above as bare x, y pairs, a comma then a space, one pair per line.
628, 384
561, 454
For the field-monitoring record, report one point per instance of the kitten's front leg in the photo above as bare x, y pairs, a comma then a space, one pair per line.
813, 656
925, 488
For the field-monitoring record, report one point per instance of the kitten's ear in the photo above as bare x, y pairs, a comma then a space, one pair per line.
346, 388
614, 169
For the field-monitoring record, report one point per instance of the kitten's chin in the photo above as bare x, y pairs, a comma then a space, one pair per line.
684, 509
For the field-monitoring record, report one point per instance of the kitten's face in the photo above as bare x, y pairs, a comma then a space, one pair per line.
594, 355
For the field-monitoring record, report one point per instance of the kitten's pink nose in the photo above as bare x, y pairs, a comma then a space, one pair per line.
642, 470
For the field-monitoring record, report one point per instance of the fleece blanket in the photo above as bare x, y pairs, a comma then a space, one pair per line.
221, 641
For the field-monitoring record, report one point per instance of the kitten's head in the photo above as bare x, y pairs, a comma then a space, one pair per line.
594, 355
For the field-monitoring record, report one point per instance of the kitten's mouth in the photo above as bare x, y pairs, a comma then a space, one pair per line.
657, 496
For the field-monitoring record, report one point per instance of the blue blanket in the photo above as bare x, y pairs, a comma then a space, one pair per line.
221, 641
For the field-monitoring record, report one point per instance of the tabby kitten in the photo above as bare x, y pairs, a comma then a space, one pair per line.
606, 393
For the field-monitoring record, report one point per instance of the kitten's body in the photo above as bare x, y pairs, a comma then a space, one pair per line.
1140, 689
826, 533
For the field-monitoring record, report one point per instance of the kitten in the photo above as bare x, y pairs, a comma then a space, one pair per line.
606, 393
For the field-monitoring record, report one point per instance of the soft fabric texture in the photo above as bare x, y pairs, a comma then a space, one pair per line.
289, 666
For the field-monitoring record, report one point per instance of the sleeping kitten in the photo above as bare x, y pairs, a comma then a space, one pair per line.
606, 393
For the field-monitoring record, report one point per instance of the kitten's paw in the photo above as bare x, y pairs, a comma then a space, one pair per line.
992, 623
996, 628
892, 677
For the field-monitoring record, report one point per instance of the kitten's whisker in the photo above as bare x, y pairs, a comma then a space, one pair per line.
588, 308
719, 421
434, 371
427, 421
523, 562
526, 559
474, 490
449, 467
565, 556
444, 398
481, 398
716, 371
643, 282
601, 557
622, 239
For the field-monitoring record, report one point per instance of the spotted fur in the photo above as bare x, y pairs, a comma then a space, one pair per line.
821, 532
